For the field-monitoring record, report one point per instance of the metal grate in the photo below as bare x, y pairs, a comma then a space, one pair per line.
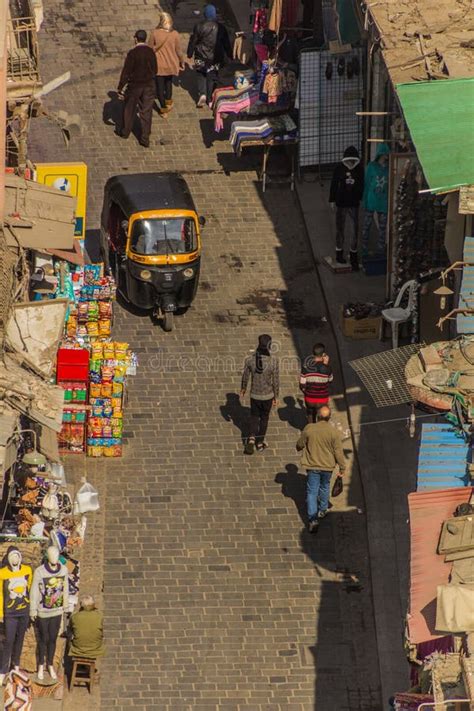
327, 107
384, 376
22, 50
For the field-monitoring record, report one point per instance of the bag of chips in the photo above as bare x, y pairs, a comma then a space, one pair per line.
82, 311
105, 309
117, 389
104, 327
94, 451
109, 351
95, 389
106, 389
107, 372
92, 328
93, 311
121, 351
97, 351
119, 373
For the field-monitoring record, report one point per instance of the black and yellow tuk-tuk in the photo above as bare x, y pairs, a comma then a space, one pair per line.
150, 240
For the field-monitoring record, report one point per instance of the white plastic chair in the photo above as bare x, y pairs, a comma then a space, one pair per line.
396, 314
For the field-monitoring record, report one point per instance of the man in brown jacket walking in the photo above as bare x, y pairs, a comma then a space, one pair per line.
321, 445
138, 76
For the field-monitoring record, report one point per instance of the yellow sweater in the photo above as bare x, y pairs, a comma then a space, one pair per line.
14, 591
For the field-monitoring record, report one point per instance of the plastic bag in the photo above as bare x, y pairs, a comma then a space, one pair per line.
86, 499
337, 486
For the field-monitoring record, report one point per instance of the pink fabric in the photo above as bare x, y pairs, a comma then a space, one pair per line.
262, 52
229, 107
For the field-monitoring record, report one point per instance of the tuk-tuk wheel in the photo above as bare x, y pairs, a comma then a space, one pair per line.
168, 321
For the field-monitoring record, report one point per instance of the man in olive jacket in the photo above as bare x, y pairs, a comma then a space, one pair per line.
321, 445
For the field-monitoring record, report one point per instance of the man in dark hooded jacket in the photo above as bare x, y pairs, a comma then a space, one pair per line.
209, 45
347, 188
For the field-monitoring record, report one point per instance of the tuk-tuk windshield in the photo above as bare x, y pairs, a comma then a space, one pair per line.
156, 236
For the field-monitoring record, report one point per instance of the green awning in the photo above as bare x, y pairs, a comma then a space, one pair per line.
440, 117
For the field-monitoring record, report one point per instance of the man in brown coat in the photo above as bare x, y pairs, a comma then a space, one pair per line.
321, 447
138, 76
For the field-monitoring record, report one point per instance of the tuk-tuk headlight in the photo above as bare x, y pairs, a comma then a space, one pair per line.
145, 274
188, 273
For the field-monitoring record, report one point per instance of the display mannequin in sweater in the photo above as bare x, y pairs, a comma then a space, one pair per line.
15, 583
49, 600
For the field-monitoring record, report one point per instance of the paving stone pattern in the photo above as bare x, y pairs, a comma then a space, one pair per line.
215, 597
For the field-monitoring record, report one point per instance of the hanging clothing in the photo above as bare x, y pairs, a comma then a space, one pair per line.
290, 11
242, 50
347, 184
276, 11
238, 105
49, 591
375, 197
15, 591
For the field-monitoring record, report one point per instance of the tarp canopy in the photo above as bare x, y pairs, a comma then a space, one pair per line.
440, 116
38, 216
428, 510
31, 395
9, 419
34, 330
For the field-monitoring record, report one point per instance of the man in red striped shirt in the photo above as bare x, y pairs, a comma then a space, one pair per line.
316, 374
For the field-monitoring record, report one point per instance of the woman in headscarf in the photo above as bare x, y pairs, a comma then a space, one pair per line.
263, 371
165, 42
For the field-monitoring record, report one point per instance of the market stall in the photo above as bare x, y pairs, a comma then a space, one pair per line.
263, 101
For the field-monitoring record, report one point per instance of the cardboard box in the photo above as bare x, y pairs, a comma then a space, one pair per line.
359, 329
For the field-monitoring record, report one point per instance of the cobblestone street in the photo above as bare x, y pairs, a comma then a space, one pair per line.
215, 597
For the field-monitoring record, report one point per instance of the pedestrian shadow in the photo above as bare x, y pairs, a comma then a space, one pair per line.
233, 411
293, 486
293, 413
112, 111
187, 81
209, 135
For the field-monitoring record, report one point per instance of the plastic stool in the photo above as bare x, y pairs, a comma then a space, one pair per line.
83, 672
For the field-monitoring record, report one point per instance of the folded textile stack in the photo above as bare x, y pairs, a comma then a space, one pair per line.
232, 101
265, 130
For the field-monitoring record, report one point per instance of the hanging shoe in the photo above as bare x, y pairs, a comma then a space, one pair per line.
328, 71
340, 256
341, 65
354, 260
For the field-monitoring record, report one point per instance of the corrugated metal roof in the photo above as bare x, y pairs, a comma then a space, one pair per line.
428, 510
465, 322
442, 459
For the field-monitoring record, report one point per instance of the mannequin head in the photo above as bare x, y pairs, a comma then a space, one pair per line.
351, 158
13, 558
52, 555
382, 153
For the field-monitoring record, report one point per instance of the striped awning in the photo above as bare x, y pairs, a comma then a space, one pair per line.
442, 458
